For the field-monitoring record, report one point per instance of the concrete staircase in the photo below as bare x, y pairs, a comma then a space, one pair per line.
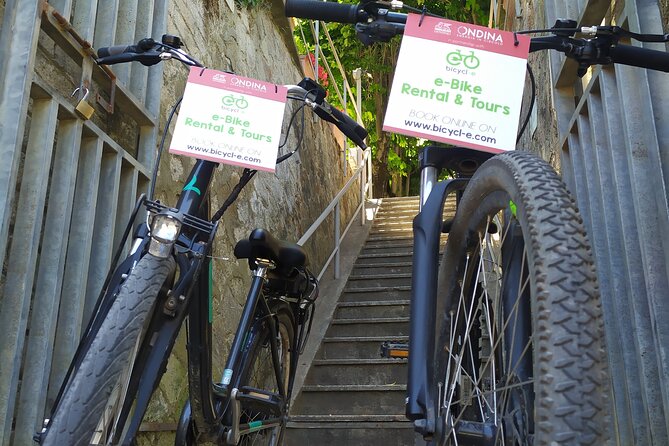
352, 396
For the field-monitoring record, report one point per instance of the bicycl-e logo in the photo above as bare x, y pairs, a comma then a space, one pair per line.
468, 94
462, 63
231, 100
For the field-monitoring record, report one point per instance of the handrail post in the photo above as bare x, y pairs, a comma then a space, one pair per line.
363, 174
370, 192
337, 236
335, 205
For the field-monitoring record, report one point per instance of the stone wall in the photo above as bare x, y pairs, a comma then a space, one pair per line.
541, 138
253, 42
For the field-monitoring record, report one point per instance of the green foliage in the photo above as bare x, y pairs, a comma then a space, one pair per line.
250, 3
394, 155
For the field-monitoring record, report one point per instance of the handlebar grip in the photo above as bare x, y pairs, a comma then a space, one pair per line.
118, 49
116, 58
320, 10
640, 57
354, 131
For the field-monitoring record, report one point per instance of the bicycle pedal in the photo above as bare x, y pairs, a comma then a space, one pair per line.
258, 399
394, 350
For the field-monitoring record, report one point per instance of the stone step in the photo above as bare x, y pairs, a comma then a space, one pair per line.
371, 420
350, 400
391, 326
372, 309
389, 267
325, 430
388, 243
376, 293
381, 238
348, 371
406, 216
400, 204
392, 434
392, 223
360, 347
387, 248
399, 208
379, 280
391, 232
351, 395
386, 257
401, 199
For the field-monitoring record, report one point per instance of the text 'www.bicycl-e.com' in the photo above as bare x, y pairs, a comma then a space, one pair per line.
450, 132
224, 154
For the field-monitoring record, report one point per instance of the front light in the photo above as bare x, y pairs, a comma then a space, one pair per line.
165, 228
164, 232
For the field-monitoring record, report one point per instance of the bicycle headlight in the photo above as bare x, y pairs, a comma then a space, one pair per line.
164, 232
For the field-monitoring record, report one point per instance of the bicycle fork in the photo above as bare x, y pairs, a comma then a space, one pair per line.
421, 403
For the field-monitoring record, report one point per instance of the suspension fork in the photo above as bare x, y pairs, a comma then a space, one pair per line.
427, 225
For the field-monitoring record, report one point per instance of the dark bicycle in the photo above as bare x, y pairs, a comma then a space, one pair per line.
166, 281
506, 339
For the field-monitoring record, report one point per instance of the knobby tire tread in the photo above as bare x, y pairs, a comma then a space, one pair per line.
572, 392
92, 384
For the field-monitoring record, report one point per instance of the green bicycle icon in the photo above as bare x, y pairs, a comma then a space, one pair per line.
231, 100
456, 58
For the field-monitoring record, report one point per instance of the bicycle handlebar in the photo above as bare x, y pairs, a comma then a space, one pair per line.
314, 95
145, 52
326, 11
375, 22
640, 57
149, 52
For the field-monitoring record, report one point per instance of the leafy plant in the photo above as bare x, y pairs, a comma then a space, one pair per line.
395, 156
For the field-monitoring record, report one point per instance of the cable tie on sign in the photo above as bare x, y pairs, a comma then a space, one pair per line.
422, 16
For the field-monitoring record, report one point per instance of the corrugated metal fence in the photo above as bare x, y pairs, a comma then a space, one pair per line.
614, 136
67, 185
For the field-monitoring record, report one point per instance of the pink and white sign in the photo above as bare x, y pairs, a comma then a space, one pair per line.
230, 119
458, 83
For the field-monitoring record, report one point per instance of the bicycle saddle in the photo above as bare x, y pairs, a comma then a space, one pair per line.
263, 245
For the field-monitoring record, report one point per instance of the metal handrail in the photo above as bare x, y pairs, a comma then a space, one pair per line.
364, 172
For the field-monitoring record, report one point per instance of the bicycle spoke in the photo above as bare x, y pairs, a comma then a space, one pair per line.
477, 308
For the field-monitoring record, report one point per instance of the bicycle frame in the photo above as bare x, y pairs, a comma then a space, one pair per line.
189, 296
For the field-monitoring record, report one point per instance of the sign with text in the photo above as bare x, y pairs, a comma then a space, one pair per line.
458, 83
230, 119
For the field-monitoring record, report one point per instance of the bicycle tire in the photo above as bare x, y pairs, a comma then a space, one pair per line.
259, 371
88, 392
554, 389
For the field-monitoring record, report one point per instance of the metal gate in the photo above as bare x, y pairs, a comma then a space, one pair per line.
67, 185
613, 130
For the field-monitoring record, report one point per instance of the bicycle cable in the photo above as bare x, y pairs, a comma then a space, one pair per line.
248, 174
154, 174
532, 99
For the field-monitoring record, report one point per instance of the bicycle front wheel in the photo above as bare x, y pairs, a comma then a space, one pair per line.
520, 355
87, 412
260, 374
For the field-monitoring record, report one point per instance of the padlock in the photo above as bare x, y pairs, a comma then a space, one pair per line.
83, 108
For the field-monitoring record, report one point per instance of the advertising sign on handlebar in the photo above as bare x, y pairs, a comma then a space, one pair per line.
468, 90
230, 119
